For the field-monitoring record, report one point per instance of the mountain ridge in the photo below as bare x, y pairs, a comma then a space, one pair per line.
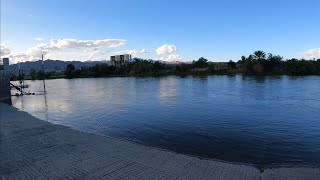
50, 65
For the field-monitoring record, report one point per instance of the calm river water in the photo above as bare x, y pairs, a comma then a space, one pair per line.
261, 120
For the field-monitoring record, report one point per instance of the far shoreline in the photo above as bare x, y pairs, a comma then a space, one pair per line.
175, 75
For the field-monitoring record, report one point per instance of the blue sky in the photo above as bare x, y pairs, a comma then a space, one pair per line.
166, 29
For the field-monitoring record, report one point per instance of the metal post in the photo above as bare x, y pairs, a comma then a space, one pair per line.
44, 75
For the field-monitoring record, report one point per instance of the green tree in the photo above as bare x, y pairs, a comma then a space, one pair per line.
201, 63
33, 74
157, 66
41, 75
232, 65
69, 71
259, 55
243, 58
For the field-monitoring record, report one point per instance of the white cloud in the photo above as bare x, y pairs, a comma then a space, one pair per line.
313, 53
4, 50
65, 48
15, 58
171, 57
168, 53
96, 54
38, 39
63, 44
40, 49
166, 49
74, 43
133, 51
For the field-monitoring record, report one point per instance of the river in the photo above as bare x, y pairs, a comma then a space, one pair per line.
266, 120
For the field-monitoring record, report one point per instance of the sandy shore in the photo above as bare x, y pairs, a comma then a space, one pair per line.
34, 149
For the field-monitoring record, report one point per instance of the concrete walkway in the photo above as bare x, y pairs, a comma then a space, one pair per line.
34, 149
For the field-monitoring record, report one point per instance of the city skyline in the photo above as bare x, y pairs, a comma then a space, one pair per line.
219, 31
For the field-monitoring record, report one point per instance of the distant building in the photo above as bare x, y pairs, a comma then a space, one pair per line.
120, 60
4, 64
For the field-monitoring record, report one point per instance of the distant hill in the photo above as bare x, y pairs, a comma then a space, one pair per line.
50, 65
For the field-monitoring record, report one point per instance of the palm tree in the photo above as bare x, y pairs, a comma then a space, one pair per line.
270, 56
243, 58
250, 57
259, 54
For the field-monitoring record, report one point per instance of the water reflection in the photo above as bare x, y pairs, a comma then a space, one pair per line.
273, 120
46, 109
257, 79
168, 89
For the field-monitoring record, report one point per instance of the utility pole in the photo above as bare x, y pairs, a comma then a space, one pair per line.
20, 79
44, 75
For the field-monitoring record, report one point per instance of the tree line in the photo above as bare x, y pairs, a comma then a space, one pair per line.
260, 63
257, 63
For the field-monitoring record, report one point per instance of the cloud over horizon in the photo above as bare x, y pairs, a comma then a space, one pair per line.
134, 51
313, 53
61, 44
57, 45
96, 53
4, 50
168, 53
166, 49
172, 57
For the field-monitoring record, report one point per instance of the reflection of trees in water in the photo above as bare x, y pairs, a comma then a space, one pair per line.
199, 85
257, 79
260, 79
249, 87
202, 79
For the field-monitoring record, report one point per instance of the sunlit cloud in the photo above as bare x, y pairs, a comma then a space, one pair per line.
171, 57
63, 44
97, 54
168, 53
166, 49
312, 53
4, 50
91, 49
15, 58
133, 52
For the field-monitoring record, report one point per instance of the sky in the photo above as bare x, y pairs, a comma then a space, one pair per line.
169, 30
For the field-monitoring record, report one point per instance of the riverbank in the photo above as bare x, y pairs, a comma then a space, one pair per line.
34, 149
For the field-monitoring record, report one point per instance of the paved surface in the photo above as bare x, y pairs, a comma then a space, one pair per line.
34, 149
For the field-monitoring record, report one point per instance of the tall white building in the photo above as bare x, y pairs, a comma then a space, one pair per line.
120, 60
